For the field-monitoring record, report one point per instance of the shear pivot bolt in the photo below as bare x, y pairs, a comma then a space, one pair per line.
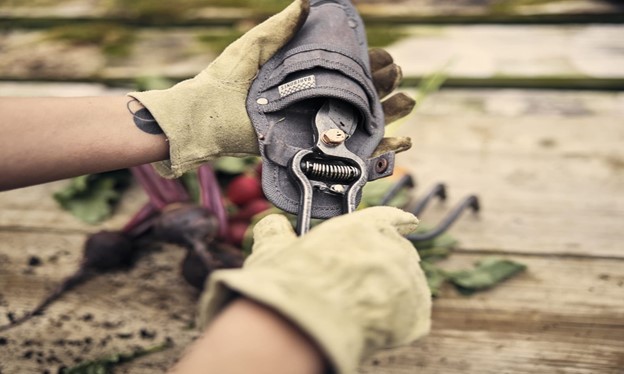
334, 137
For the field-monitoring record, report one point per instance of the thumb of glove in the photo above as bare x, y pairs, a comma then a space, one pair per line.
272, 234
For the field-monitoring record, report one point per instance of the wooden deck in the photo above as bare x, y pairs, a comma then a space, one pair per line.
548, 165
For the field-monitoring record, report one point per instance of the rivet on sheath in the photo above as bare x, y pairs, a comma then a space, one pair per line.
262, 101
334, 137
352, 24
381, 166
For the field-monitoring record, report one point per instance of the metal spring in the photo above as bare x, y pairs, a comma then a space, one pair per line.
329, 172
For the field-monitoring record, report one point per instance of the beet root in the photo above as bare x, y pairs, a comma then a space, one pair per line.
195, 271
107, 250
185, 225
244, 189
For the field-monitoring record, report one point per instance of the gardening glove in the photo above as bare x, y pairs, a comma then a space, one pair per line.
351, 299
205, 117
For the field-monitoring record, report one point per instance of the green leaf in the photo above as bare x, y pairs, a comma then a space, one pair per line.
434, 253
436, 277
488, 273
106, 364
92, 198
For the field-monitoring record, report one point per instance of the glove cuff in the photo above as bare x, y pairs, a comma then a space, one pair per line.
340, 340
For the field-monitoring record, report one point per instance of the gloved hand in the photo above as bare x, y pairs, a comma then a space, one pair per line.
353, 284
205, 117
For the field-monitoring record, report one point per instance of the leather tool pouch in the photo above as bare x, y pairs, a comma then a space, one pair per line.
328, 58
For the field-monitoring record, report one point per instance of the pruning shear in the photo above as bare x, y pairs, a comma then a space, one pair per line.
329, 166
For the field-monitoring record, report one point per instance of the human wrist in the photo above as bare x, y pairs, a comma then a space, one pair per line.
267, 342
323, 319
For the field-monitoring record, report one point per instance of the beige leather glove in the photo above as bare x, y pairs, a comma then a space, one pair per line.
353, 284
205, 117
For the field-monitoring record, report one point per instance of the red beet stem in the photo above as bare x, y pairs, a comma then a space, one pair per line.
153, 194
211, 196
171, 191
178, 189
141, 221
204, 191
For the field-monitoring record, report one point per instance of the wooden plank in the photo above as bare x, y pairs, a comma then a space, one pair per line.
489, 11
35, 13
547, 165
573, 56
39, 55
472, 8
34, 209
483, 51
561, 315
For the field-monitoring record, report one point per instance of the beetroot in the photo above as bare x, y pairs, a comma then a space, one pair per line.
193, 227
251, 209
107, 250
195, 272
244, 189
102, 252
236, 232
190, 226
186, 224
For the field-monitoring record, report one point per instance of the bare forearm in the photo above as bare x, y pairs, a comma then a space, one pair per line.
249, 338
46, 139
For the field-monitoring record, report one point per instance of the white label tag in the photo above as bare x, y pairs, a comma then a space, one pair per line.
297, 85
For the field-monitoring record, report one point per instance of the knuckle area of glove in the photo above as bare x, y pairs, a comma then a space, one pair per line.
369, 285
359, 261
364, 240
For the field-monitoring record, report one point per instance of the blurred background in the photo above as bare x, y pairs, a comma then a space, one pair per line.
519, 101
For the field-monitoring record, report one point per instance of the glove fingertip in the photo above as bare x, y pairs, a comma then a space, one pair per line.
272, 226
379, 58
403, 221
394, 144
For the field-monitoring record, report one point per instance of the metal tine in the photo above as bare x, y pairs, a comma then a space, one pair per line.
405, 181
471, 202
439, 191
